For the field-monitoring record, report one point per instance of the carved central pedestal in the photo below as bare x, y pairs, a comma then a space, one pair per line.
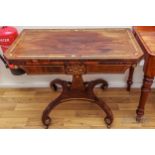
79, 90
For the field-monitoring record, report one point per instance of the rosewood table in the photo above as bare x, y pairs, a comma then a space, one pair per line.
145, 35
76, 52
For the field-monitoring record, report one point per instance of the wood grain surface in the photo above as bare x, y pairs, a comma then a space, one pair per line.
22, 108
75, 44
146, 34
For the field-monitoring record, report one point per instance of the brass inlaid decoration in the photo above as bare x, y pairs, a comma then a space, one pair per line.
75, 69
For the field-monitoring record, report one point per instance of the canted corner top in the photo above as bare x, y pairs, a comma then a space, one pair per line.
53, 44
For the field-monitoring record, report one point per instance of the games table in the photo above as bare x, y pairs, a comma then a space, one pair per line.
76, 52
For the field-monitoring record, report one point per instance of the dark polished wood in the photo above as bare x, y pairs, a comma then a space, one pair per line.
130, 78
79, 91
146, 88
145, 35
76, 52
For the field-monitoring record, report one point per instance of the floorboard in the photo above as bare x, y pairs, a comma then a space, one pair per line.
22, 109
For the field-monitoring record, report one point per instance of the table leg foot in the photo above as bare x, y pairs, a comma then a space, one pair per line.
140, 114
109, 116
46, 121
139, 119
108, 122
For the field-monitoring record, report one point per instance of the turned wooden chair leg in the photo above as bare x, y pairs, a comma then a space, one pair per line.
146, 88
130, 78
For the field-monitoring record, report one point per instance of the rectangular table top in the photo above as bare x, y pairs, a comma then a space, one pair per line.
89, 44
146, 34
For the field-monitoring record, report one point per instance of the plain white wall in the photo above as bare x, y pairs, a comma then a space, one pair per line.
115, 80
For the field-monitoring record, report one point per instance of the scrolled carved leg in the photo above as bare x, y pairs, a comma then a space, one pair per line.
145, 90
92, 84
130, 78
109, 115
56, 82
77, 89
104, 85
46, 121
54, 87
45, 116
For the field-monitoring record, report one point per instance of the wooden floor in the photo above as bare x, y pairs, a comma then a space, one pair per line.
22, 108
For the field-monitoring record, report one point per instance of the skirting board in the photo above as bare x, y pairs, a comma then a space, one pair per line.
46, 84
